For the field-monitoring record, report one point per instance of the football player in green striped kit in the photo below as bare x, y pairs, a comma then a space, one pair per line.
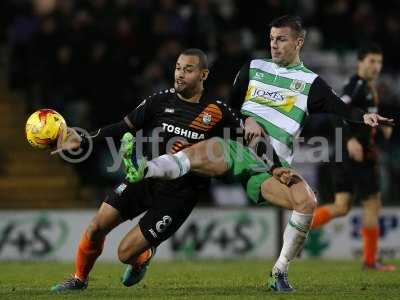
275, 96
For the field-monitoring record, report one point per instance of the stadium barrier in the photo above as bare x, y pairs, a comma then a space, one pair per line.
208, 233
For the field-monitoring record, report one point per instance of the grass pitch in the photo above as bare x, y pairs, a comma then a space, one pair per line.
313, 279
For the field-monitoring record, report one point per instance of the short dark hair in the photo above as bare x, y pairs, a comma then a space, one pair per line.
293, 22
369, 48
203, 61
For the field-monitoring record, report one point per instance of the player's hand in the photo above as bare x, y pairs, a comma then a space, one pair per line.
286, 176
355, 150
73, 141
252, 129
283, 175
374, 120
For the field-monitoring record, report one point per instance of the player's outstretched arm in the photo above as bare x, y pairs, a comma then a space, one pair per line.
71, 142
75, 140
322, 99
374, 120
132, 122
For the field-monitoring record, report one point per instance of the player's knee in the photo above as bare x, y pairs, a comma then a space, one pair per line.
311, 202
207, 157
212, 151
306, 202
370, 219
373, 206
372, 212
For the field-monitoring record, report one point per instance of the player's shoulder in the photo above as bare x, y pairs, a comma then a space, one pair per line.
159, 96
215, 102
227, 111
221, 103
354, 81
224, 106
210, 98
163, 94
258, 63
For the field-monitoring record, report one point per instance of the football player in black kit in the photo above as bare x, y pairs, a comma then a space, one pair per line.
357, 176
183, 115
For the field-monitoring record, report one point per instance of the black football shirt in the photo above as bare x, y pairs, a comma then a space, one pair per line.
169, 124
360, 94
164, 123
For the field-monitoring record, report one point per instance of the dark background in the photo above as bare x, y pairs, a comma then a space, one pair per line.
94, 61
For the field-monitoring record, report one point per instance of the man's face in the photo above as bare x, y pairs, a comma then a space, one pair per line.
285, 45
188, 74
371, 66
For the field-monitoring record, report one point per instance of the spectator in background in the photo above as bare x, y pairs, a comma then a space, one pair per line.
167, 53
126, 53
60, 51
22, 28
205, 24
365, 23
391, 40
335, 20
60, 91
231, 57
166, 23
261, 12
155, 72
43, 60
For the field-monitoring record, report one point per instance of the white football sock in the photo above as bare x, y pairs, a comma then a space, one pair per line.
168, 166
294, 238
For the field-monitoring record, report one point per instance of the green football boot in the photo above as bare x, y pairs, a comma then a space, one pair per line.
134, 274
71, 284
133, 174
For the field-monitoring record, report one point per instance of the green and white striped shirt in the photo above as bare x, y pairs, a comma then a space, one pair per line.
280, 98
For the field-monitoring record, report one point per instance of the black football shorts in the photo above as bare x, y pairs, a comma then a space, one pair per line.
167, 204
359, 178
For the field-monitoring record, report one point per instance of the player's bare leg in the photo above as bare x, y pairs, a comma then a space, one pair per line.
207, 158
297, 196
370, 234
135, 251
90, 247
325, 213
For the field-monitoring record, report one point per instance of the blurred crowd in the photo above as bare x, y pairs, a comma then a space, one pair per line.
94, 60
103, 56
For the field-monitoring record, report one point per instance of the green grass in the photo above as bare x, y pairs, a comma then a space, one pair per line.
314, 279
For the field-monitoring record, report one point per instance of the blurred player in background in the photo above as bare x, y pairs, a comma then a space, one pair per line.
357, 176
275, 95
182, 116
